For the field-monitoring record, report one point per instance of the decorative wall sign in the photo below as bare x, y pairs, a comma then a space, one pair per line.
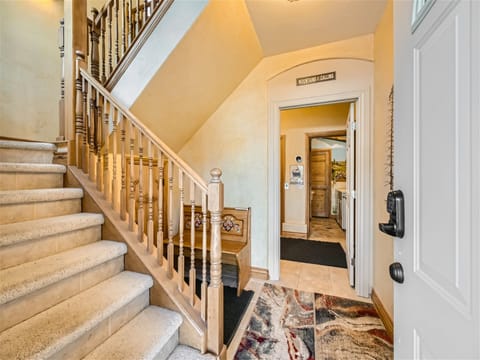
296, 174
307, 80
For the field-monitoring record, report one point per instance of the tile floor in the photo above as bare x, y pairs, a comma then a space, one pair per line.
307, 277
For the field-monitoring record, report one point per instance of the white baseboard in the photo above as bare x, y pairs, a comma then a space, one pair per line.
298, 228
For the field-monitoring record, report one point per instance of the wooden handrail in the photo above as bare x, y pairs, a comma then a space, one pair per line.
151, 136
117, 32
101, 122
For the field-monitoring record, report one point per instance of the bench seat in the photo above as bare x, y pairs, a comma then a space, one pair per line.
235, 235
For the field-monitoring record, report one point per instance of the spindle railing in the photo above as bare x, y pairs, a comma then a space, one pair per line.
129, 164
116, 33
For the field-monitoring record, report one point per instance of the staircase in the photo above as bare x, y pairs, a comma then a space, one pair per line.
64, 292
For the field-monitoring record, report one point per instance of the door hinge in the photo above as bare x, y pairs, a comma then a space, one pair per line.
352, 261
353, 194
353, 126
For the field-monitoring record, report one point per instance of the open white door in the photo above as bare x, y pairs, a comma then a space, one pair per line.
437, 166
350, 195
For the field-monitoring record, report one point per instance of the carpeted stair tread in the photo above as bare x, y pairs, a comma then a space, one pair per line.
27, 145
32, 168
20, 280
26, 152
159, 336
8, 197
16, 233
45, 334
183, 352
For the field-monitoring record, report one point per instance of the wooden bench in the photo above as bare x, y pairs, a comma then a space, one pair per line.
235, 234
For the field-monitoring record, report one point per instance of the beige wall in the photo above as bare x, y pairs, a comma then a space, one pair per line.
214, 56
295, 124
30, 68
235, 138
383, 244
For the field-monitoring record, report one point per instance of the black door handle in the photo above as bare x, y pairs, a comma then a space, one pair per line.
395, 208
396, 272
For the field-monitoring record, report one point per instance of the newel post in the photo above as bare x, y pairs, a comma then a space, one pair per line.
79, 120
94, 47
215, 289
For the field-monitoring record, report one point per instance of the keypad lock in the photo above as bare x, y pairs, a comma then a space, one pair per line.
395, 207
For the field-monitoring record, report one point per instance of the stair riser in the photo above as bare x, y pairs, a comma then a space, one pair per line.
89, 341
28, 181
22, 212
25, 307
36, 249
168, 348
26, 156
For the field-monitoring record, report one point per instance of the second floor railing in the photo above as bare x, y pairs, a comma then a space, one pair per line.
117, 31
148, 185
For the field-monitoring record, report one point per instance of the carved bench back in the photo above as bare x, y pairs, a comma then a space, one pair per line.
235, 225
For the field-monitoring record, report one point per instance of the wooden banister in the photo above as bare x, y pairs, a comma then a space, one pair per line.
117, 32
104, 130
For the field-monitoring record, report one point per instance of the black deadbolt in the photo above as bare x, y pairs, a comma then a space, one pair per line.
396, 272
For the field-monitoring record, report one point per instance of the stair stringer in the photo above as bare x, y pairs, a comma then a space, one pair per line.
164, 292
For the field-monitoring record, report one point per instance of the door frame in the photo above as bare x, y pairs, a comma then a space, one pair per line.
364, 176
308, 148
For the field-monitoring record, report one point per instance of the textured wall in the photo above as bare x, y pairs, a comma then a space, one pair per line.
30, 68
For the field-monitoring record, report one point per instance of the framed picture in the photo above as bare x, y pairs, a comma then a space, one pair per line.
296, 174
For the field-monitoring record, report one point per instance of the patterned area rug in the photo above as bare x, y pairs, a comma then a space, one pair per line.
292, 324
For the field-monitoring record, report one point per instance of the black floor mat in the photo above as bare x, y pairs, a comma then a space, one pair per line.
313, 252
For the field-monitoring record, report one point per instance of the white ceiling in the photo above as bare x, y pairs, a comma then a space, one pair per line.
286, 25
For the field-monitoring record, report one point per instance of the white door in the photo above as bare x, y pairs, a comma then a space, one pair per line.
350, 195
436, 165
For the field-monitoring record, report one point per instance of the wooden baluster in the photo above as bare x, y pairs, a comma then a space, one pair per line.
203, 305
103, 39
129, 23
110, 36
123, 166
131, 204
139, 18
91, 132
150, 235
117, 33
141, 212
106, 148
215, 289
160, 209
85, 151
170, 246
124, 27
145, 12
193, 273
61, 102
94, 53
113, 185
181, 257
79, 113
99, 141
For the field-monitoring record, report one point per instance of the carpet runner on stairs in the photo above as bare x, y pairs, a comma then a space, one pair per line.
64, 292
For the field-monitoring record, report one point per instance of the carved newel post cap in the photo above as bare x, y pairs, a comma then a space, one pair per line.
215, 174
94, 12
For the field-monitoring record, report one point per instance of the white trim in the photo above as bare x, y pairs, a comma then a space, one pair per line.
297, 228
364, 243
